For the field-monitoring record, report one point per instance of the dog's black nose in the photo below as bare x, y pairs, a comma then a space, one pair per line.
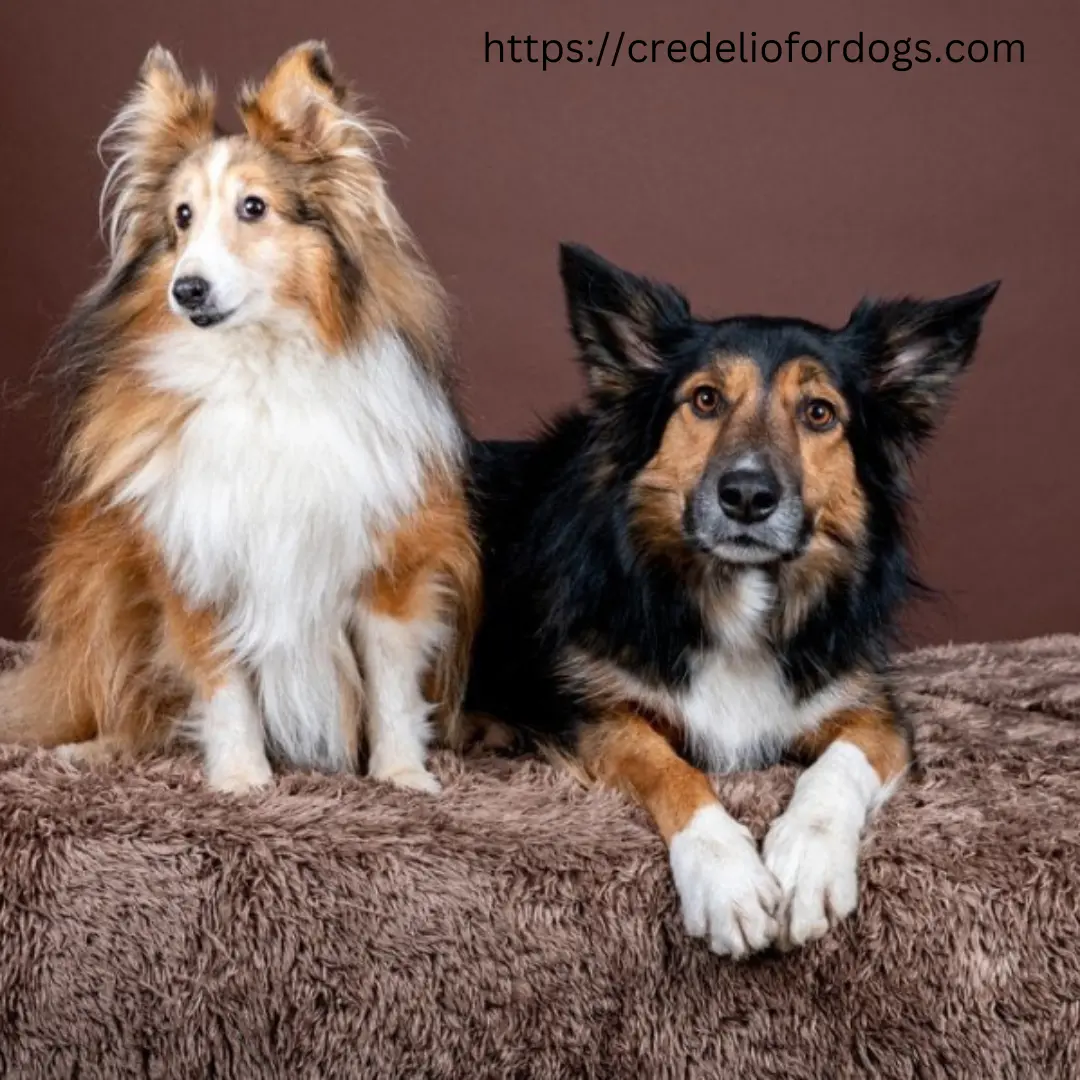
191, 292
749, 494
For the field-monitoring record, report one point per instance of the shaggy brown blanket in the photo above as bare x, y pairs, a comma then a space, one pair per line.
520, 926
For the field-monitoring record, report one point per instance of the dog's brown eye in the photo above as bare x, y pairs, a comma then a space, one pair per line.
183, 216
706, 401
819, 415
252, 208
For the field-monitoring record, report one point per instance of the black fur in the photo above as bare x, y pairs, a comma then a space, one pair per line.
562, 567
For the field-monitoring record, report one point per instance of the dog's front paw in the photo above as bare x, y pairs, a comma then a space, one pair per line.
727, 894
97, 751
815, 862
236, 777
409, 777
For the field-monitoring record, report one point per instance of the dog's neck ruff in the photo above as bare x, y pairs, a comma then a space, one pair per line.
277, 495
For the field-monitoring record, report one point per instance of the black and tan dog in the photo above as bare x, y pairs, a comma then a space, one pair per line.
699, 570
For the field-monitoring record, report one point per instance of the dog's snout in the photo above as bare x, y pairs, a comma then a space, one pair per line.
191, 292
749, 494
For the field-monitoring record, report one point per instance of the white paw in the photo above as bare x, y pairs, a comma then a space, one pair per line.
238, 777
726, 892
92, 752
814, 860
409, 777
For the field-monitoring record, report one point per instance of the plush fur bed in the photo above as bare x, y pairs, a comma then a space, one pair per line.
520, 926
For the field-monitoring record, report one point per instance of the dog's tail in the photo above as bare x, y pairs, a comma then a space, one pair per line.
35, 706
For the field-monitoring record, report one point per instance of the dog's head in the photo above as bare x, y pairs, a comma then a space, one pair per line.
253, 227
759, 440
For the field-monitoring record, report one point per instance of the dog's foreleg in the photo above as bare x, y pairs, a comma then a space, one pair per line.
726, 893
399, 635
813, 847
229, 729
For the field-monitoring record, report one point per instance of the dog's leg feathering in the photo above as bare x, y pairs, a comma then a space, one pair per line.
726, 893
813, 847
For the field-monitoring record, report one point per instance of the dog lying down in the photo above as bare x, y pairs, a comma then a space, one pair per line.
699, 570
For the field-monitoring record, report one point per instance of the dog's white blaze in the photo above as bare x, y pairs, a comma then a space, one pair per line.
269, 504
737, 710
242, 287
206, 254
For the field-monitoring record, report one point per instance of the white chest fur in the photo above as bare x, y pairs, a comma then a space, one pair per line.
271, 501
737, 711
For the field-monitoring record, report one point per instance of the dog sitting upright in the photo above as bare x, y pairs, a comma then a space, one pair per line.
262, 534
699, 570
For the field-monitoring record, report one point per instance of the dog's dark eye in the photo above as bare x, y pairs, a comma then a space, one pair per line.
819, 415
252, 208
705, 401
183, 216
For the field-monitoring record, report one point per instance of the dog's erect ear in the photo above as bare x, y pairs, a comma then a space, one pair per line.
165, 119
301, 107
914, 350
295, 97
619, 320
304, 113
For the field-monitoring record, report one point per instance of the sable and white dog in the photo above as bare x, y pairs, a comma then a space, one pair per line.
261, 537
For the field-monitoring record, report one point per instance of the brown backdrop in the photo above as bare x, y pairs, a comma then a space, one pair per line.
784, 189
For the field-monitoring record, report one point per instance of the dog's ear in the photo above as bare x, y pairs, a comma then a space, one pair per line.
619, 320
913, 351
165, 118
302, 108
302, 112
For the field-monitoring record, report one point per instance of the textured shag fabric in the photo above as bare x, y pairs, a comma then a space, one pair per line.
520, 926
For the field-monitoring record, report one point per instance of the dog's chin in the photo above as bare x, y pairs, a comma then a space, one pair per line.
745, 551
204, 320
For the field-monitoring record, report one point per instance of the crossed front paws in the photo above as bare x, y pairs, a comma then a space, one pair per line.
743, 903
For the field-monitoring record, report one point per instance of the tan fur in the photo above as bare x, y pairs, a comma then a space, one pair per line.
873, 730
752, 413
830, 489
431, 573
120, 655
165, 120
610, 688
661, 490
305, 117
625, 752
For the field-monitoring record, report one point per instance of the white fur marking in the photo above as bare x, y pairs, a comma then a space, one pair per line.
395, 656
736, 708
726, 892
243, 287
269, 504
230, 731
738, 711
813, 847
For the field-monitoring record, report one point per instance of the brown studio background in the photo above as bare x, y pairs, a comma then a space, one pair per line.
777, 188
